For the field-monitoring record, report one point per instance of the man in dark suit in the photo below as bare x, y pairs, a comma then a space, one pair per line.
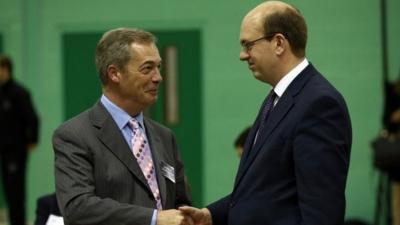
296, 156
113, 165
19, 128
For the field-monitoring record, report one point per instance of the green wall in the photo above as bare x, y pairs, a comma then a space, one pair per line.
344, 44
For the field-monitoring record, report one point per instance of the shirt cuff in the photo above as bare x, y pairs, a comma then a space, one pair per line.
154, 218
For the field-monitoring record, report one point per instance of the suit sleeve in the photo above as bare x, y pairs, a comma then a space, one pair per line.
75, 187
219, 211
321, 158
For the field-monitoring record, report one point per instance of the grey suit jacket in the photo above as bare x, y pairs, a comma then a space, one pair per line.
98, 180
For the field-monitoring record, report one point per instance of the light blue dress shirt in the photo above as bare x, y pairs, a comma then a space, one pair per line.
122, 119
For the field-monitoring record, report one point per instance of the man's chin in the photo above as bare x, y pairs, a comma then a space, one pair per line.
259, 77
152, 99
256, 74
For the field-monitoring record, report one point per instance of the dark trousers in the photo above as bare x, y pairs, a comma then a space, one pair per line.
13, 168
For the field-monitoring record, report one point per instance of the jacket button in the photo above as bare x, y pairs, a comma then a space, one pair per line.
231, 204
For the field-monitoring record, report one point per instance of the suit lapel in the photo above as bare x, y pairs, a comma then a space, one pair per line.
248, 146
282, 108
156, 147
276, 115
251, 136
109, 134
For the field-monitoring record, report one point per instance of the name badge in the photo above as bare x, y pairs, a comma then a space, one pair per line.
55, 220
168, 171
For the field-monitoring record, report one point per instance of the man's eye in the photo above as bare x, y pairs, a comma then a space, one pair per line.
146, 69
248, 45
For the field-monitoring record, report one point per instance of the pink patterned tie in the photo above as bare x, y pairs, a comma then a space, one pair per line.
142, 153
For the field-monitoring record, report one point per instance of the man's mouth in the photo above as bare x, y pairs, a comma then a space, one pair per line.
251, 66
152, 91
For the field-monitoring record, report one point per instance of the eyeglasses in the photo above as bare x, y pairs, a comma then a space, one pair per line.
248, 45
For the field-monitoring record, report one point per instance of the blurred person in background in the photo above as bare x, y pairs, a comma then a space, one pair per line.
47, 207
240, 141
391, 120
19, 125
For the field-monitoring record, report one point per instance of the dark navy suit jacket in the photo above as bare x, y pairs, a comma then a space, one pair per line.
296, 173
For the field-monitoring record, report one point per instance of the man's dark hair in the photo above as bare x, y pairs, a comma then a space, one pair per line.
241, 139
6, 62
290, 23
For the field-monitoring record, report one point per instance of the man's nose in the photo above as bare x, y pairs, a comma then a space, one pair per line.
244, 55
157, 76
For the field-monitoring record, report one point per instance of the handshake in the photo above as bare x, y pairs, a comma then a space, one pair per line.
185, 215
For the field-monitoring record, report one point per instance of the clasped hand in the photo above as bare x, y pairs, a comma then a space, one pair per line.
184, 216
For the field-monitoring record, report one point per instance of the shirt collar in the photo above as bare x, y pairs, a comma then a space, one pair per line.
120, 117
289, 77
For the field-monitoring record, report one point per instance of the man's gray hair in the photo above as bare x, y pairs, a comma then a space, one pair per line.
114, 49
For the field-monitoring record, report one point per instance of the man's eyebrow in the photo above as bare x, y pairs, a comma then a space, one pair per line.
148, 62
151, 62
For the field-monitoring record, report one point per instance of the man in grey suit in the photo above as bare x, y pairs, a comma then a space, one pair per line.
113, 165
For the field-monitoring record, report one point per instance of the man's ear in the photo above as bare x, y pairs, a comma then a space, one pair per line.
281, 44
113, 74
